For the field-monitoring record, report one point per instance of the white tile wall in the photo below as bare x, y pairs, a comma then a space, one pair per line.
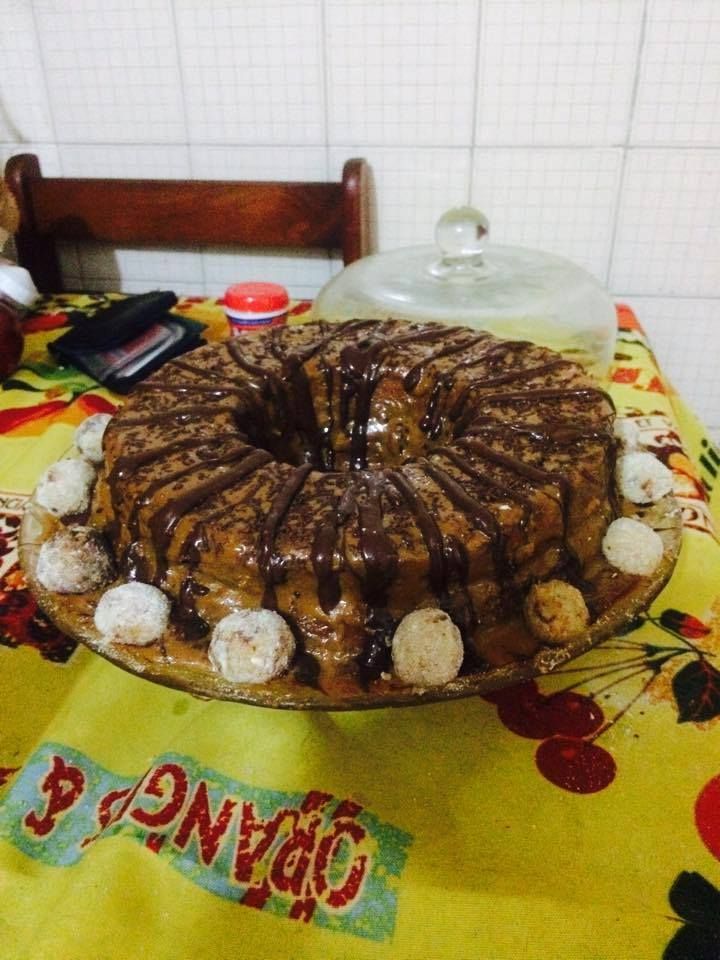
24, 108
678, 95
414, 187
587, 127
399, 73
246, 78
676, 325
233, 162
556, 199
557, 73
125, 160
112, 71
668, 240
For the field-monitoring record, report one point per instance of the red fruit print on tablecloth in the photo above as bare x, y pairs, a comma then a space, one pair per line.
565, 723
674, 663
22, 623
707, 816
574, 764
694, 899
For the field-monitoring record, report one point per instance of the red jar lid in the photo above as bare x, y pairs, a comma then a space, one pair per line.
257, 297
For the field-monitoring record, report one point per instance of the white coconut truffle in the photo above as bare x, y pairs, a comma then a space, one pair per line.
627, 432
65, 486
642, 478
89, 436
251, 646
632, 546
133, 613
556, 611
73, 560
427, 648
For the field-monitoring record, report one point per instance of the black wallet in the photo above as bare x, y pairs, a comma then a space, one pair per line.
126, 341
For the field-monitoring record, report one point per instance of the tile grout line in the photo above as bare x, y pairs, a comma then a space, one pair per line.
45, 81
325, 83
665, 296
555, 147
326, 102
186, 125
51, 116
626, 144
475, 104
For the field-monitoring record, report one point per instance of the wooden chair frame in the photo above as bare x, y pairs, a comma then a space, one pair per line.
254, 214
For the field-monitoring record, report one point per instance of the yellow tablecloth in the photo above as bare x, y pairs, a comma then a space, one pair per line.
138, 821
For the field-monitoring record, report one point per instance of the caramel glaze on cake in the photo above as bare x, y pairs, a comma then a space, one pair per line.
347, 474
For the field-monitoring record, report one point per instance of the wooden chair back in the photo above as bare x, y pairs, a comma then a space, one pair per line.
256, 214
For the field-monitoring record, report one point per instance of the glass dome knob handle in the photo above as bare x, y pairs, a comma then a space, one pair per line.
461, 232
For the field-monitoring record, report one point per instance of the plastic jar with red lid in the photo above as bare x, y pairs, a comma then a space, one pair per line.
255, 306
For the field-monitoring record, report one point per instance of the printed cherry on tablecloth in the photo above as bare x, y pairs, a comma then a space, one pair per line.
566, 723
569, 722
694, 899
22, 623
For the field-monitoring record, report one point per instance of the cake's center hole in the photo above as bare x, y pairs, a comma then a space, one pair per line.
392, 434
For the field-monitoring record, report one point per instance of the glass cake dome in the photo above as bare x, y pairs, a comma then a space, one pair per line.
511, 291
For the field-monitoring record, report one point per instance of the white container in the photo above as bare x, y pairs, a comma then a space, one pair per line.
17, 287
17, 295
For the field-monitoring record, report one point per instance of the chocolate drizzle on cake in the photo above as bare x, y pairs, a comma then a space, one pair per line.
494, 488
185, 611
443, 445
414, 375
188, 389
168, 417
458, 496
378, 550
323, 561
162, 524
269, 563
431, 533
324, 548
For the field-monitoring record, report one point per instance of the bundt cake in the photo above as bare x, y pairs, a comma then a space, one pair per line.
348, 476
